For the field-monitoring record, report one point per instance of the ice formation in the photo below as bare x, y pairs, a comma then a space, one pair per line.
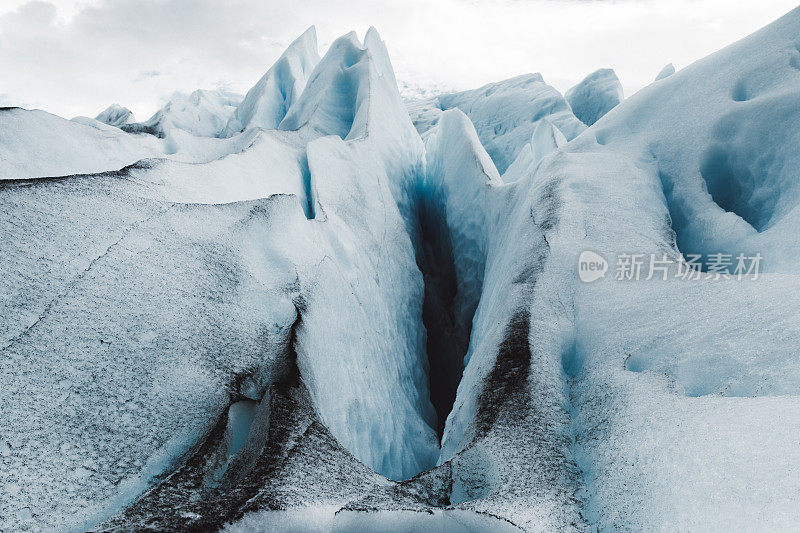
265, 105
596, 95
666, 72
116, 115
320, 308
204, 113
505, 114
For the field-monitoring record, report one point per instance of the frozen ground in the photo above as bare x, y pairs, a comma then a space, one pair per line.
318, 308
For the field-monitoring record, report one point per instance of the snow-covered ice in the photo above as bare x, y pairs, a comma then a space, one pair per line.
319, 307
116, 115
37, 144
505, 114
204, 113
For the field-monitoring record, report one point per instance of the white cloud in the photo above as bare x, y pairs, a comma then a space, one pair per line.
77, 56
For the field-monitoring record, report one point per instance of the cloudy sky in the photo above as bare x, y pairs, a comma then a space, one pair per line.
74, 57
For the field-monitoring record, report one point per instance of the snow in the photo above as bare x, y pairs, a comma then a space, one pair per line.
700, 435
116, 115
266, 104
597, 94
35, 144
238, 176
722, 142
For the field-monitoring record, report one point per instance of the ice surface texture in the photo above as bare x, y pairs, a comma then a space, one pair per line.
322, 308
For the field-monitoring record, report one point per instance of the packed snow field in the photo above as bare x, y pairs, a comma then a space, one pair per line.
317, 307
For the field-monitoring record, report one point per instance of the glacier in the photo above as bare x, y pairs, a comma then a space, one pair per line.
319, 307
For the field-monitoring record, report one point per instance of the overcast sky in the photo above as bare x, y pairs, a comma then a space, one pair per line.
74, 57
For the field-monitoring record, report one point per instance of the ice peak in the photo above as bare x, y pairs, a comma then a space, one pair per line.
667, 71
116, 115
309, 36
372, 37
332, 98
203, 113
546, 138
267, 102
595, 95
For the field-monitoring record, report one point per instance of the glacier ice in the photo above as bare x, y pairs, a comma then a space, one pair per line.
323, 308
464, 183
266, 104
597, 94
116, 115
204, 113
351, 268
667, 71
34, 144
504, 114
545, 139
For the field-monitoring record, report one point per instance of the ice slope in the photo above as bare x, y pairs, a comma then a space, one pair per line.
267, 102
699, 431
723, 145
144, 303
597, 94
202, 113
649, 405
504, 114
695, 430
364, 171
35, 143
233, 177
116, 115
116, 371
461, 173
